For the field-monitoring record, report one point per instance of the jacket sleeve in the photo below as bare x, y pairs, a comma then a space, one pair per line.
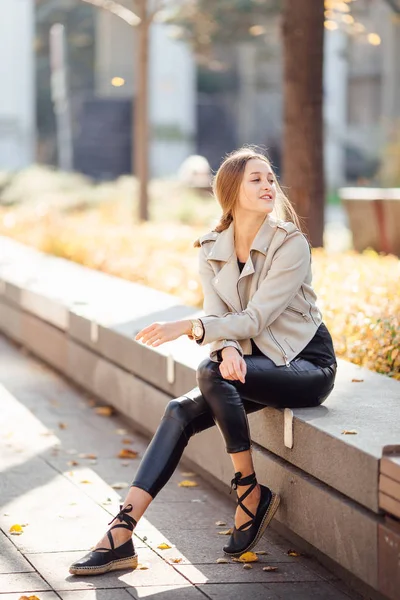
213, 305
288, 271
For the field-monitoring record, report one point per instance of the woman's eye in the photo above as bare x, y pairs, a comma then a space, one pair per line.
255, 180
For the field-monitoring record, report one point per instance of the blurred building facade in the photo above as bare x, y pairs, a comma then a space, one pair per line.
207, 109
17, 97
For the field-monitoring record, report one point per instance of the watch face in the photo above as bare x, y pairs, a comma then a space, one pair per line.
198, 330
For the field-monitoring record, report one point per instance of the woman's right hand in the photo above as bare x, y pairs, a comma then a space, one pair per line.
233, 366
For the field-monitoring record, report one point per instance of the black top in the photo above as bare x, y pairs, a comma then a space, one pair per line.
319, 350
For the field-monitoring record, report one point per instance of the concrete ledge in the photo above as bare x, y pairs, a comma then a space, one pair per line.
82, 322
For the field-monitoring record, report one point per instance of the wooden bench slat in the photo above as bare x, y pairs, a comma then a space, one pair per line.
389, 504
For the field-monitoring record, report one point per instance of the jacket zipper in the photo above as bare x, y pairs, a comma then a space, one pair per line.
295, 310
285, 356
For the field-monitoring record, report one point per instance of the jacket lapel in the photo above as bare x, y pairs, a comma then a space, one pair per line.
231, 285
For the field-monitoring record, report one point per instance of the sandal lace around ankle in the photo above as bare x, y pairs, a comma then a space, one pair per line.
250, 480
129, 523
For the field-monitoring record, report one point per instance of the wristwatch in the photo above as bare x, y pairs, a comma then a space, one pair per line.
197, 329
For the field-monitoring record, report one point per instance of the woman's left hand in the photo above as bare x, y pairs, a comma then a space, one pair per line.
159, 333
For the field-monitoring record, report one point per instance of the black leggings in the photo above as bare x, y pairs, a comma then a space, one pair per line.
226, 404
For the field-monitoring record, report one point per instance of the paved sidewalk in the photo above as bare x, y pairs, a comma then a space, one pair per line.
59, 476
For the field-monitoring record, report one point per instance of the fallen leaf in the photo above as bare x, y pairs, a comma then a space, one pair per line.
72, 463
128, 453
127, 441
175, 560
270, 568
395, 353
248, 557
92, 402
164, 546
62, 425
293, 553
225, 532
349, 432
105, 411
121, 431
220, 523
188, 474
86, 455
261, 552
222, 561
357, 380
142, 567
124, 464
85, 481
247, 566
29, 598
16, 529
187, 483
120, 485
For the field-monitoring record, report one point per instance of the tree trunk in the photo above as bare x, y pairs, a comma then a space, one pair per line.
141, 111
303, 159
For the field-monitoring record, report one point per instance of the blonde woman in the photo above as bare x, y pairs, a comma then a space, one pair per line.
268, 347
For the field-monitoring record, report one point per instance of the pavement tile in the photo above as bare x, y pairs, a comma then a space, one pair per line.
54, 568
238, 591
164, 592
187, 516
98, 594
41, 596
305, 591
12, 561
20, 582
201, 546
235, 573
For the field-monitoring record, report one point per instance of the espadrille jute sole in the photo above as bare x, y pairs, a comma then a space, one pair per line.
272, 508
114, 565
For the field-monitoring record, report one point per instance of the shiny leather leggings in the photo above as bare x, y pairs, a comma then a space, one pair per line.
226, 403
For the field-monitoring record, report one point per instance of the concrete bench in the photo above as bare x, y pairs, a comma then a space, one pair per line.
82, 322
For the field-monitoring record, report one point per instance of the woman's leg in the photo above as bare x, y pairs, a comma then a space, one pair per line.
183, 417
300, 384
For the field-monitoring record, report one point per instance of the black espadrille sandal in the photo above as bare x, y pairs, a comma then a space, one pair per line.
241, 541
113, 559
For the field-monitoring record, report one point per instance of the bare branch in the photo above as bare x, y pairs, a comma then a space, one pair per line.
117, 9
159, 5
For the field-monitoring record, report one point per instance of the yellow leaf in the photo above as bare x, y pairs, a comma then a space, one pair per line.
349, 432
142, 567
105, 411
395, 353
293, 553
270, 568
164, 546
176, 560
128, 453
225, 532
85, 481
127, 441
119, 485
188, 474
248, 557
86, 455
188, 483
16, 529
357, 380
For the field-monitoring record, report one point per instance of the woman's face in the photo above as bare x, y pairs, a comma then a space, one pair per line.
258, 189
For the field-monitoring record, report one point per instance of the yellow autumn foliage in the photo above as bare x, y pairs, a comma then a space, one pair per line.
359, 294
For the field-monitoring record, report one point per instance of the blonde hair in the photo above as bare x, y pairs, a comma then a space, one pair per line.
227, 182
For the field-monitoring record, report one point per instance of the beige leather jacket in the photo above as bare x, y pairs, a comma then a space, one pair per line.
271, 301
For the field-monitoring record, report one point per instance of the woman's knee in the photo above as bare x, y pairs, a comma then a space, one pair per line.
207, 372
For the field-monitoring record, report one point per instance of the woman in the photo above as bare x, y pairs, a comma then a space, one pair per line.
269, 347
